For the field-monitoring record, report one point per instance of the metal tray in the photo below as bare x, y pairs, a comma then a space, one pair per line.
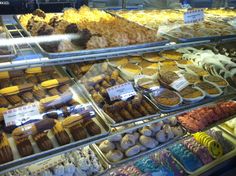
11, 48
41, 155
159, 147
229, 93
214, 163
227, 130
91, 51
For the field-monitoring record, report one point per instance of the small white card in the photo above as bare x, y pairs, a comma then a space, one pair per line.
179, 84
122, 91
21, 115
46, 164
194, 16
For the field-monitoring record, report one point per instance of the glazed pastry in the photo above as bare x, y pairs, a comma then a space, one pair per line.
32, 79
53, 92
78, 132
132, 151
168, 131
31, 129
11, 74
148, 107
106, 146
14, 100
18, 81
72, 121
55, 82
114, 155
64, 88
24, 147
36, 70
145, 131
43, 77
178, 131
161, 136
3, 102
61, 134
43, 142
172, 121
92, 128
127, 141
155, 127
148, 142
12, 90
27, 97
5, 83
133, 111
5, 149
126, 115
116, 138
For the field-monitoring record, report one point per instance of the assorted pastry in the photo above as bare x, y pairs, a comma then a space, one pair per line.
81, 162
201, 118
4, 50
87, 32
123, 146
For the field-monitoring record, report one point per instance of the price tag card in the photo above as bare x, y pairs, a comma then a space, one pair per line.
21, 115
46, 164
194, 16
179, 84
122, 91
86, 108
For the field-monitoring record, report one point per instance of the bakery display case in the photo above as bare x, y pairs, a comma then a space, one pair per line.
95, 92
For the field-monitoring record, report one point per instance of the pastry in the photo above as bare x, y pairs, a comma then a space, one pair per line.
145, 131
216, 80
27, 97
64, 88
2, 110
155, 127
43, 142
43, 77
5, 83
31, 129
135, 59
148, 142
209, 88
37, 70
38, 93
129, 71
5, 149
92, 128
191, 93
114, 155
55, 82
127, 141
18, 81
16, 89
11, 74
106, 146
197, 70
78, 132
145, 64
14, 100
72, 121
119, 61
148, 84
24, 147
132, 151
177, 131
3, 102
172, 55
161, 136
53, 92
153, 57
191, 78
60, 134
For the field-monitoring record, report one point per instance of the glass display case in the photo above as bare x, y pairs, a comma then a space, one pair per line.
111, 92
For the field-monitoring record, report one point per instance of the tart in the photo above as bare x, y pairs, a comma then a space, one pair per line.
146, 64
118, 62
129, 71
190, 93
191, 78
216, 80
167, 98
148, 84
150, 72
197, 70
153, 57
135, 59
168, 77
210, 89
172, 55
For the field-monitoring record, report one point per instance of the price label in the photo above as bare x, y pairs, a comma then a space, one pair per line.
179, 84
194, 16
46, 164
82, 109
21, 115
122, 91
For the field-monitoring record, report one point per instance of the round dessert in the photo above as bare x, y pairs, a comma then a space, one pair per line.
197, 70
153, 57
167, 98
216, 80
146, 64
135, 59
172, 55
190, 93
150, 72
129, 71
118, 62
192, 79
168, 77
210, 89
183, 63
148, 84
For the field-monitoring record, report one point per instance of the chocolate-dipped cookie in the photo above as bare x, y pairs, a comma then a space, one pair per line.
78, 132
14, 100
32, 79
27, 97
38, 93
43, 142
24, 147
18, 81
3, 102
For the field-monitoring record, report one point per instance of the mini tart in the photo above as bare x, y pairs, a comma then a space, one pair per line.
191, 78
147, 83
129, 71
150, 72
197, 70
168, 98
172, 55
119, 62
209, 88
191, 94
146, 64
153, 57
216, 80
135, 59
